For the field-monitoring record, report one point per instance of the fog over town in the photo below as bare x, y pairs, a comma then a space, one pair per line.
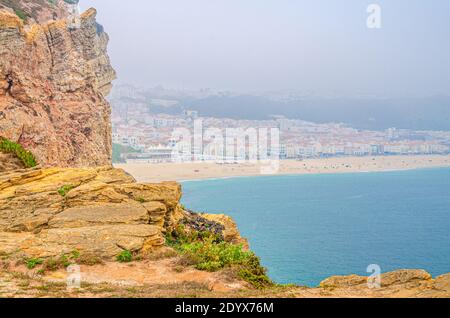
143, 131
316, 70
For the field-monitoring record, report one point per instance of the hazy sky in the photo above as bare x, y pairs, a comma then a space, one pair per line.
317, 46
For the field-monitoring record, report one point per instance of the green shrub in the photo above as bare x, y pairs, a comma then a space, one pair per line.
210, 256
252, 271
65, 189
181, 236
208, 252
125, 257
31, 263
25, 156
53, 264
63, 261
75, 254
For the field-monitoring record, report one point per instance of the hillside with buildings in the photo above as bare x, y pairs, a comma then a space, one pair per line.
145, 122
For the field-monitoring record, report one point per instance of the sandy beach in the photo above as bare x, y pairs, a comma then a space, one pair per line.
207, 170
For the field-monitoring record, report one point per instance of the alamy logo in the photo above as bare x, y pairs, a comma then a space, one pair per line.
73, 277
374, 280
374, 18
231, 145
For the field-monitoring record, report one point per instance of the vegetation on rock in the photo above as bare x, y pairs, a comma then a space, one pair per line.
21, 14
209, 252
25, 156
65, 189
52, 264
125, 257
33, 262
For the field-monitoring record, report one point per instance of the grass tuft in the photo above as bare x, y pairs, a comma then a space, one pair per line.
125, 257
65, 189
63, 261
31, 263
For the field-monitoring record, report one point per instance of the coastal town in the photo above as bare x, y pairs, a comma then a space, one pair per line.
140, 135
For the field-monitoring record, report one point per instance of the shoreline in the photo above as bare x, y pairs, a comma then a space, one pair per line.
198, 171
303, 174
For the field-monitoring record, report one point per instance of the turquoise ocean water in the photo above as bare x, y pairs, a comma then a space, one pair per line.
309, 227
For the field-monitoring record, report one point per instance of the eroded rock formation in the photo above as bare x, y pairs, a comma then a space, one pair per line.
37, 11
53, 81
397, 284
101, 211
9, 162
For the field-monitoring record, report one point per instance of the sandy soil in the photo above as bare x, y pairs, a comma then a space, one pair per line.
163, 278
205, 170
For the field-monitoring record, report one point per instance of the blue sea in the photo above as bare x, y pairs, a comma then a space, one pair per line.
308, 227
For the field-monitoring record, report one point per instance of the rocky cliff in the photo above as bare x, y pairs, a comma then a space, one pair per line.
37, 11
47, 215
101, 211
54, 78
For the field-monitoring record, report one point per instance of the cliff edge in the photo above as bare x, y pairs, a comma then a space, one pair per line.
100, 218
54, 78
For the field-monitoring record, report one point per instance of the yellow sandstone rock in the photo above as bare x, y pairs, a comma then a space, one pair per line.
100, 211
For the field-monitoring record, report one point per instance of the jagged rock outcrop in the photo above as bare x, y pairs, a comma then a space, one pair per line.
397, 284
53, 81
37, 11
101, 211
230, 232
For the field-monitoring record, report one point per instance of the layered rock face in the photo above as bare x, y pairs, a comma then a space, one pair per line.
53, 81
397, 284
37, 11
101, 211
